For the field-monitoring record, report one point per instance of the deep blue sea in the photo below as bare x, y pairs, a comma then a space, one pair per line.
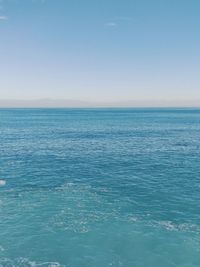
100, 187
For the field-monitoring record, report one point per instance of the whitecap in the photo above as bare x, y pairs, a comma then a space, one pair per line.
2, 182
24, 262
168, 225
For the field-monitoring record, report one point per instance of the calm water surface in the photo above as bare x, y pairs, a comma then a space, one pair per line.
100, 187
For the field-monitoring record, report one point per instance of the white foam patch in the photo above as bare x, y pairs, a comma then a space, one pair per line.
24, 262
2, 182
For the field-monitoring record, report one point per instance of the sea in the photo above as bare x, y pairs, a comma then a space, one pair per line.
100, 187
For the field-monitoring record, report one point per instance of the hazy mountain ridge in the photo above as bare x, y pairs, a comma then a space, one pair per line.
70, 103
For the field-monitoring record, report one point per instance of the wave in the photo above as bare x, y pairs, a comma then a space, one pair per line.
24, 262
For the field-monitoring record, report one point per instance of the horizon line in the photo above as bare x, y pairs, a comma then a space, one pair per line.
74, 103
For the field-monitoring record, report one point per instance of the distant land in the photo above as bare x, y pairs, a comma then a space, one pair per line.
69, 103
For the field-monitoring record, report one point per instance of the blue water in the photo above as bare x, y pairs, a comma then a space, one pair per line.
100, 187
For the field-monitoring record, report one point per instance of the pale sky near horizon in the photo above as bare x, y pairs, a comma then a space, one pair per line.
100, 50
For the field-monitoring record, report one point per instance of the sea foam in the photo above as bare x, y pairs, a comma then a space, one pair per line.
2, 182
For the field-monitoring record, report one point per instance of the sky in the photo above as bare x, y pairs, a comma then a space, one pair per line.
100, 50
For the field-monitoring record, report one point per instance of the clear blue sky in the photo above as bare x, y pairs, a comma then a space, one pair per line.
100, 49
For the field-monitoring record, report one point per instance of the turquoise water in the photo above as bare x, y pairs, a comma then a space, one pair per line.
100, 187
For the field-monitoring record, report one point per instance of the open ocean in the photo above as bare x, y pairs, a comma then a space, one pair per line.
100, 187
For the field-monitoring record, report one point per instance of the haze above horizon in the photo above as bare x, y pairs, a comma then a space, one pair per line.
143, 52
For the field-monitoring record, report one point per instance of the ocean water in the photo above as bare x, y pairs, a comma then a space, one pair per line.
100, 187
